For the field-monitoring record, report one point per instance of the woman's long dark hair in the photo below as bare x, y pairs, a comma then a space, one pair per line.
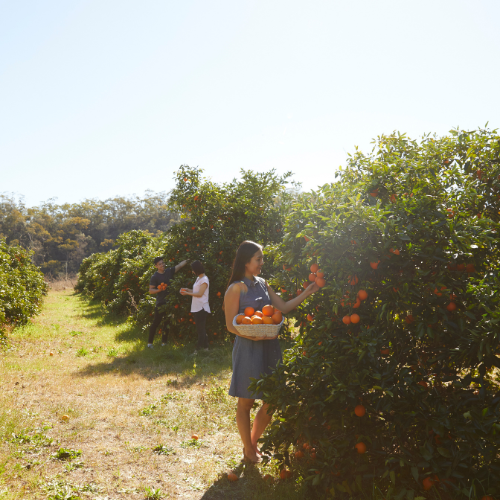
244, 255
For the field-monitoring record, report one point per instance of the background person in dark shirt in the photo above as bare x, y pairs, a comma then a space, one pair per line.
163, 275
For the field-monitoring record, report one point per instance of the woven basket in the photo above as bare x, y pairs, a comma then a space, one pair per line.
258, 330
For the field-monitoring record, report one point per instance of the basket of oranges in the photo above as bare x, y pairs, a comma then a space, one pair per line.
162, 286
265, 323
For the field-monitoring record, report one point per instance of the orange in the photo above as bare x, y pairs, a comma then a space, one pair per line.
360, 410
451, 306
374, 265
249, 311
361, 447
312, 277
246, 320
268, 477
310, 317
354, 318
299, 454
268, 310
352, 281
346, 320
470, 268
267, 320
428, 483
409, 319
423, 384
259, 314
393, 198
195, 437
314, 268
239, 318
277, 317
342, 303
256, 320
320, 282
232, 477
384, 352
320, 273
357, 303
285, 474
362, 295
306, 284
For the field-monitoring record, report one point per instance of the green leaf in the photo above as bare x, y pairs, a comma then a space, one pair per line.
444, 452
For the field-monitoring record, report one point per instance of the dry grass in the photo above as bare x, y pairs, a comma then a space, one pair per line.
62, 283
131, 412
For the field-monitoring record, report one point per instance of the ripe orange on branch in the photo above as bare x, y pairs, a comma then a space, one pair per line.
285, 474
359, 411
361, 447
354, 318
314, 268
320, 282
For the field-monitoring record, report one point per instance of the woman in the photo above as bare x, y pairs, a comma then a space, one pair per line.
199, 304
253, 356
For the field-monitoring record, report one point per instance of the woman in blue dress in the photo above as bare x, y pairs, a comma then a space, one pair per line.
253, 356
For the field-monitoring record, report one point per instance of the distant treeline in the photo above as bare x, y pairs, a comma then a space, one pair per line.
61, 236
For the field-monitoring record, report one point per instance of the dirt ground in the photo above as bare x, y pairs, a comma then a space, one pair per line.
87, 412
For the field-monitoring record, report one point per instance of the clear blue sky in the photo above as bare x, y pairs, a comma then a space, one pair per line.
104, 98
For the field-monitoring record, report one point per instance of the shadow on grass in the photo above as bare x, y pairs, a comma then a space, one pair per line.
251, 485
175, 359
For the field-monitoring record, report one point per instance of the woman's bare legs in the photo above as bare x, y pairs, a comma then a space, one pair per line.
243, 423
260, 423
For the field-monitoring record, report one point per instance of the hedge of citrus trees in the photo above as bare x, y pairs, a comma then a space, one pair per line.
391, 390
22, 288
215, 219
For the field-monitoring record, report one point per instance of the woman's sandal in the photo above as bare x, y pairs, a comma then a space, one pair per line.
249, 460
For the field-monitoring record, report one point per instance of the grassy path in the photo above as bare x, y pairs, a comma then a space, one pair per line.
76, 381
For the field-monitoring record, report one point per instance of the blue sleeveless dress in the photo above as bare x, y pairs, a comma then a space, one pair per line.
251, 358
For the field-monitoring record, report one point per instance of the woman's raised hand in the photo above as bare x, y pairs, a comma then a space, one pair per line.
312, 288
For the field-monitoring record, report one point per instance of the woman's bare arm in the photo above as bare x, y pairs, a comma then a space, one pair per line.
188, 291
286, 307
232, 305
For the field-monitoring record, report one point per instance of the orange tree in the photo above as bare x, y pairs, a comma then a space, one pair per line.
22, 287
390, 390
215, 219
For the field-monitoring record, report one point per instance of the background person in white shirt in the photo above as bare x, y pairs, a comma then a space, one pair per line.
199, 304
